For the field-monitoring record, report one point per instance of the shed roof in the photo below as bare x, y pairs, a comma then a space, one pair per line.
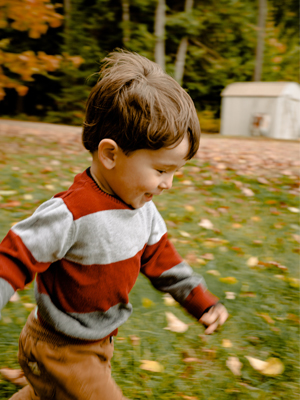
255, 89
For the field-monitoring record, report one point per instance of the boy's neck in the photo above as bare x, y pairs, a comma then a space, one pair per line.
98, 182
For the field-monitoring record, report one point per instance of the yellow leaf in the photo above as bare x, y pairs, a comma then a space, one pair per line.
226, 343
237, 226
213, 272
252, 261
8, 192
184, 234
229, 279
135, 340
230, 295
234, 364
174, 324
168, 300
29, 306
267, 318
206, 223
294, 282
153, 366
189, 208
273, 366
147, 303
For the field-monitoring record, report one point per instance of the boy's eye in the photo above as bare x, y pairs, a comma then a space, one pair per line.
160, 171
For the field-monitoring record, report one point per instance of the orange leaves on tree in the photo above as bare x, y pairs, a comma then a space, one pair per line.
34, 16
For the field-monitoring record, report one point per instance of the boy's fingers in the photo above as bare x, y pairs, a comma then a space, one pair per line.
215, 317
211, 328
223, 317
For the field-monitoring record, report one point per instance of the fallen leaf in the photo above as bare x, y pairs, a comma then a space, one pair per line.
15, 297
252, 261
201, 261
272, 367
8, 192
226, 343
15, 376
236, 226
230, 295
191, 359
229, 279
147, 303
294, 282
152, 366
296, 238
213, 272
135, 340
234, 364
29, 306
27, 197
184, 234
293, 209
208, 256
189, 208
247, 192
263, 181
256, 218
49, 187
266, 317
169, 300
187, 183
174, 324
12, 203
206, 223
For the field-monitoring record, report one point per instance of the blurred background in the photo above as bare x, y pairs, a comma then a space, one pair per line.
51, 50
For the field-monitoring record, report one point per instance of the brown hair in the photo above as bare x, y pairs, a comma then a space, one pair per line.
138, 106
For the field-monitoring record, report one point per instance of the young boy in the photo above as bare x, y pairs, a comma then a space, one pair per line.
87, 245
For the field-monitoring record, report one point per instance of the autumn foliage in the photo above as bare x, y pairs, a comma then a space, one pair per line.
33, 17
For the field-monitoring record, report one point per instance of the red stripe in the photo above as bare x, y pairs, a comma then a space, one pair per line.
17, 264
77, 288
198, 301
159, 257
84, 198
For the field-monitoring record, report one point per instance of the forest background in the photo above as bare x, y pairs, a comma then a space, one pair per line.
50, 52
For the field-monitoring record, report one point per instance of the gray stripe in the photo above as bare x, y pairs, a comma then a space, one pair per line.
90, 326
179, 281
6, 291
104, 237
48, 233
115, 235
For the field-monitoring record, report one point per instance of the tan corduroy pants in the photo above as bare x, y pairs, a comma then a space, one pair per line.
61, 368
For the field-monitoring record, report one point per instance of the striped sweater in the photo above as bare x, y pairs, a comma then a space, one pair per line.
86, 249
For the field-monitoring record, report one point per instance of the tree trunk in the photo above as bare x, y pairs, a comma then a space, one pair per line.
159, 32
67, 15
182, 49
260, 40
126, 22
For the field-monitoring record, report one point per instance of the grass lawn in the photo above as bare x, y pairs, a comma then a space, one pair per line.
247, 251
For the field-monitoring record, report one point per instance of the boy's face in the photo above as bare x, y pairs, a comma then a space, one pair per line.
145, 173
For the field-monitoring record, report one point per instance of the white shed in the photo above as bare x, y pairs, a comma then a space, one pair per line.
270, 109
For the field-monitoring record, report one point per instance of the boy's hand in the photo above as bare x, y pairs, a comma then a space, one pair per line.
216, 316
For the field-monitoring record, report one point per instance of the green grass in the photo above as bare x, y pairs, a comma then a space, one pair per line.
264, 316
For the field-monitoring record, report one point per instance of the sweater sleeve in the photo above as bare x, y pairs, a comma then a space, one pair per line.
169, 273
33, 244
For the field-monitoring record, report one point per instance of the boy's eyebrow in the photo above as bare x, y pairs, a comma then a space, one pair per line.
164, 165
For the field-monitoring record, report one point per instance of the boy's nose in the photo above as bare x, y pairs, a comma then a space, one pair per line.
167, 182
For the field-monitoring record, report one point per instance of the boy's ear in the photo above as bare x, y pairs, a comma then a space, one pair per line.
107, 152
